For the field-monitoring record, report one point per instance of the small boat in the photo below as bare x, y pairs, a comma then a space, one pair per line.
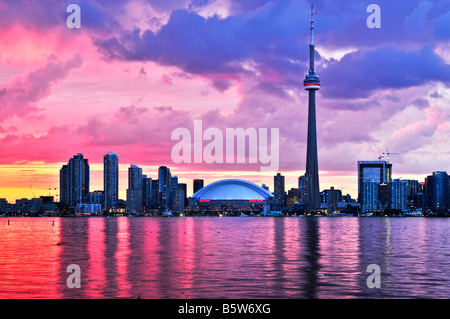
243, 215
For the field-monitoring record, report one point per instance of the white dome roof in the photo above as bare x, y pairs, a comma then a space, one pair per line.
232, 189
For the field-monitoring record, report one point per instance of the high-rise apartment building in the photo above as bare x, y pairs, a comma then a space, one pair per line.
134, 191
165, 181
279, 191
74, 181
111, 181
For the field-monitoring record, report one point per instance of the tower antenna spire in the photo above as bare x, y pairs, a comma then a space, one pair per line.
312, 25
312, 45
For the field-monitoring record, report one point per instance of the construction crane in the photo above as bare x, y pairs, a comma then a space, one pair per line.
388, 155
50, 189
34, 196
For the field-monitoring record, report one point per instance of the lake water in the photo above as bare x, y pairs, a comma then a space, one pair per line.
212, 257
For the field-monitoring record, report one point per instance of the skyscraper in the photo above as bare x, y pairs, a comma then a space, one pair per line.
147, 191
398, 192
371, 174
111, 180
64, 186
134, 191
198, 185
312, 84
154, 194
279, 191
165, 181
437, 192
74, 181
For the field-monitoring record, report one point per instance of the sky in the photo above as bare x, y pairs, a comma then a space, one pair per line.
137, 70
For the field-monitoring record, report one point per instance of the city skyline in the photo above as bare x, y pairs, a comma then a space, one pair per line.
99, 89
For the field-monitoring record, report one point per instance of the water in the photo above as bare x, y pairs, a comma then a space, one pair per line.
211, 257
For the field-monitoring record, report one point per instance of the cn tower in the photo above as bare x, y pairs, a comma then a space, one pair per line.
312, 84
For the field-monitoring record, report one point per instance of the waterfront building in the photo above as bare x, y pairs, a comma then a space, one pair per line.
279, 191
154, 201
110, 181
95, 197
293, 197
74, 181
398, 192
333, 197
198, 184
147, 191
165, 180
231, 196
134, 191
183, 188
371, 174
437, 192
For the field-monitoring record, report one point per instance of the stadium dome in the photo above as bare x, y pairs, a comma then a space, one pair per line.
232, 189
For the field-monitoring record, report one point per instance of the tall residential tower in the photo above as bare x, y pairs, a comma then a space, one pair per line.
111, 180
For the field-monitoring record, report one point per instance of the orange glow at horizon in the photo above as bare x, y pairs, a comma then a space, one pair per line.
43, 178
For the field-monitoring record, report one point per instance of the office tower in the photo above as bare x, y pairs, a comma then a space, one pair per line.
369, 196
398, 190
198, 185
74, 181
64, 186
293, 197
174, 182
312, 84
279, 192
154, 202
111, 181
134, 191
372, 173
333, 197
177, 200
303, 187
437, 192
173, 197
384, 196
95, 197
165, 180
147, 184
183, 188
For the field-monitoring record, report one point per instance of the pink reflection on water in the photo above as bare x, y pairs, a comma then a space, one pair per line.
151, 262
339, 262
185, 243
96, 278
121, 256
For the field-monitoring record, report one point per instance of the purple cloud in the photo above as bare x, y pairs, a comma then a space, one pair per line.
20, 95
